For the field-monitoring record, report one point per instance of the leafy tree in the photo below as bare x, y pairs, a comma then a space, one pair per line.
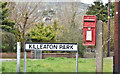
71, 20
8, 41
25, 14
112, 6
105, 36
99, 10
7, 29
6, 24
112, 9
72, 35
43, 33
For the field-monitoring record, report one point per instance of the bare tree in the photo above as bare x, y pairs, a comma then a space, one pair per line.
69, 14
25, 14
71, 18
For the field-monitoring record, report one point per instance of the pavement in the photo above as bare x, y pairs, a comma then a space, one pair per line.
109, 57
8, 60
94, 58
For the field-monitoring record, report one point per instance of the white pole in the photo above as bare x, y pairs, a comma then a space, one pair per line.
40, 54
35, 51
18, 56
25, 55
77, 62
24, 62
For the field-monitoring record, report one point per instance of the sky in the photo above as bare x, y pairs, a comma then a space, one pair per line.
84, 1
91, 1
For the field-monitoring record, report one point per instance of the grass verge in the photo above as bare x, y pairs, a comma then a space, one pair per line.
58, 65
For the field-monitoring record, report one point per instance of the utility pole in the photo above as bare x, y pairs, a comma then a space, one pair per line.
108, 54
117, 37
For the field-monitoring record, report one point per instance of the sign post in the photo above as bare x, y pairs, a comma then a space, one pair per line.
77, 62
18, 56
73, 47
40, 54
25, 54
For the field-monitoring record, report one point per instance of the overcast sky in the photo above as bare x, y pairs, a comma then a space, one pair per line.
84, 1
91, 1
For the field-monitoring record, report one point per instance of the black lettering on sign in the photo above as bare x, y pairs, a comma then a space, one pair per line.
34, 47
60, 46
55, 46
45, 47
71, 47
37, 46
63, 46
41, 46
51, 46
67, 47
30, 46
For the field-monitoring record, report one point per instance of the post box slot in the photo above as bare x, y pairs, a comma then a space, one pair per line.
88, 21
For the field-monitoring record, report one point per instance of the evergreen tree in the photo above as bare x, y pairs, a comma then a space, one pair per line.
7, 28
99, 10
112, 9
6, 24
42, 33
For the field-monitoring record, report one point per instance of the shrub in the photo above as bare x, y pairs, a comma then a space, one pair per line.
8, 41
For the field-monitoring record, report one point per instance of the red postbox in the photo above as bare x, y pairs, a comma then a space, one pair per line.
89, 30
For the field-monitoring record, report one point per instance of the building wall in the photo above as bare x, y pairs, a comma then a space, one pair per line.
44, 55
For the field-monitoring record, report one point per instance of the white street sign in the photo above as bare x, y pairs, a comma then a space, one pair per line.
52, 46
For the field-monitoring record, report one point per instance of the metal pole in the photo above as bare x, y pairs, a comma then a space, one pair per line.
18, 56
117, 37
77, 62
108, 54
25, 54
35, 53
99, 50
40, 54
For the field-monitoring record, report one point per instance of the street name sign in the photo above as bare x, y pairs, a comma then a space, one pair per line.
51, 46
